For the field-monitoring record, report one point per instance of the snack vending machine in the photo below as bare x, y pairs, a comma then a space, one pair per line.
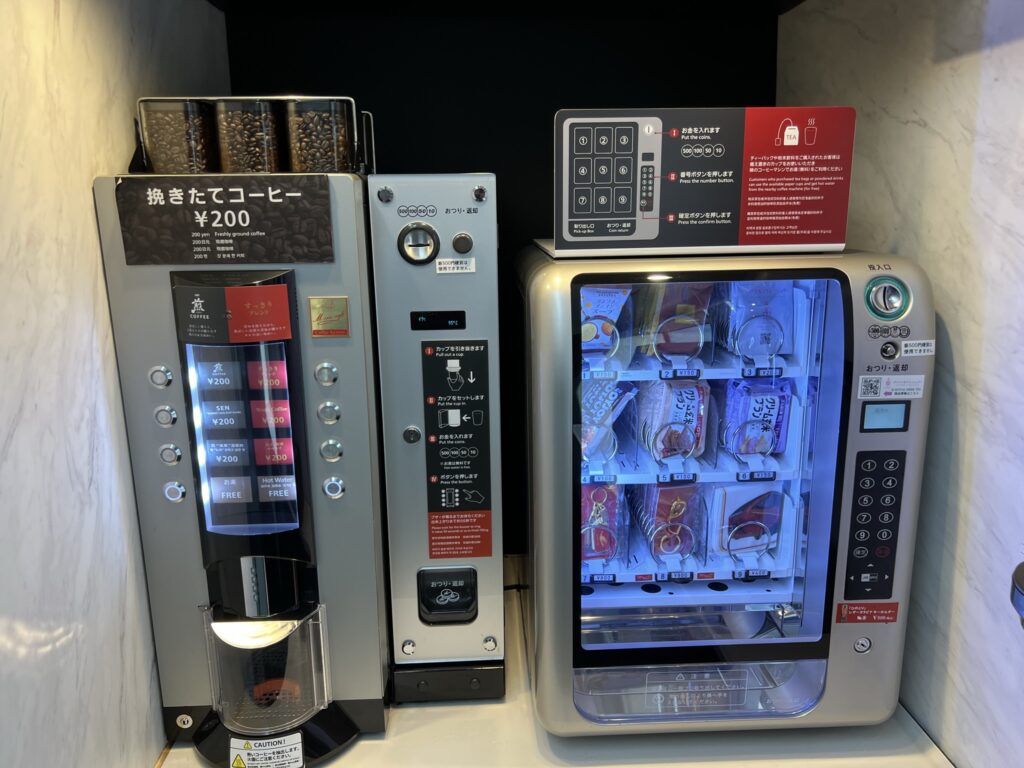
726, 458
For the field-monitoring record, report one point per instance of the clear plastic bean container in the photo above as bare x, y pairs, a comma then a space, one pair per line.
247, 135
321, 134
178, 135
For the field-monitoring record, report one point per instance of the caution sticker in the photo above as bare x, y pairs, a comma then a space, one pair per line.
922, 348
277, 752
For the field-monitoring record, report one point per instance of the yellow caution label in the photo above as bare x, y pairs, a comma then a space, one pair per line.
238, 762
247, 745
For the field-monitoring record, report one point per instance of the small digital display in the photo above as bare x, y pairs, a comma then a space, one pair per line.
885, 417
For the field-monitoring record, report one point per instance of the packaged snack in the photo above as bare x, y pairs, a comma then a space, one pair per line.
601, 311
673, 319
669, 517
757, 318
756, 416
601, 522
673, 418
601, 403
751, 524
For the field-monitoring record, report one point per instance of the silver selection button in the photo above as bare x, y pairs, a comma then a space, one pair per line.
326, 373
329, 412
331, 450
334, 487
170, 453
165, 416
160, 376
174, 492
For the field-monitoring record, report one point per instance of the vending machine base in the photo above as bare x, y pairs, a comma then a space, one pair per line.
322, 736
448, 682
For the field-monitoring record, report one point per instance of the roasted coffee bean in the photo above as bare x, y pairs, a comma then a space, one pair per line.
247, 134
318, 141
178, 138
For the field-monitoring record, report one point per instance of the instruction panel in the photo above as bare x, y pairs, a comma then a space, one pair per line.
456, 415
760, 178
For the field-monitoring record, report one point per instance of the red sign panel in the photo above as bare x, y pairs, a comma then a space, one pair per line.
460, 534
258, 313
270, 375
270, 413
796, 175
866, 613
270, 450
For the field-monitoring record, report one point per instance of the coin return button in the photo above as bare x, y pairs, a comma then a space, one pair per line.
334, 487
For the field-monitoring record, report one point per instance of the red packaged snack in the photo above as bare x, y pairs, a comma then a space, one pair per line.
670, 518
600, 523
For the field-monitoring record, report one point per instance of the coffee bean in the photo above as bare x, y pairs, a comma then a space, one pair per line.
247, 135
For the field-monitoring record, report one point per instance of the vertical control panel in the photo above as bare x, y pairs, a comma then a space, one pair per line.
609, 180
435, 274
871, 557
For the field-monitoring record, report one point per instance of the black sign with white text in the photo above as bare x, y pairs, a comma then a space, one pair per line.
222, 219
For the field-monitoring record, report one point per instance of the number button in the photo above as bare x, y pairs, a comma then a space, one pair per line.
891, 465
867, 483
868, 465
860, 552
862, 535
888, 500
864, 518
583, 140
603, 140
866, 500
886, 518
884, 535
889, 482
581, 169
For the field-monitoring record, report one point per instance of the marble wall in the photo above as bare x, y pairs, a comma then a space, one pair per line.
78, 685
939, 176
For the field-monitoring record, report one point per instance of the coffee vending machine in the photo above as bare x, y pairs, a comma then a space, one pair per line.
248, 337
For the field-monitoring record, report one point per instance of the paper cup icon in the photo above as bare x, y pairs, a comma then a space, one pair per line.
810, 135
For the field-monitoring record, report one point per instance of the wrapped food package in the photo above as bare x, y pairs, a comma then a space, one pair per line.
673, 418
669, 517
756, 416
601, 317
601, 521
757, 318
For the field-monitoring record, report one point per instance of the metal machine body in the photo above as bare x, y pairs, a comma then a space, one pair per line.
698, 615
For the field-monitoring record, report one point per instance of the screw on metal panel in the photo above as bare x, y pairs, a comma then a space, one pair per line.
385, 194
408, 647
412, 434
490, 643
479, 194
184, 721
862, 645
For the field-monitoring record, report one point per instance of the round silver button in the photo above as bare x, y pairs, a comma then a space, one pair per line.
331, 450
326, 373
329, 412
418, 243
334, 487
170, 453
408, 647
174, 492
862, 645
160, 376
490, 643
165, 416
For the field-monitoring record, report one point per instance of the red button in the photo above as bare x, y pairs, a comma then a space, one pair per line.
883, 551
